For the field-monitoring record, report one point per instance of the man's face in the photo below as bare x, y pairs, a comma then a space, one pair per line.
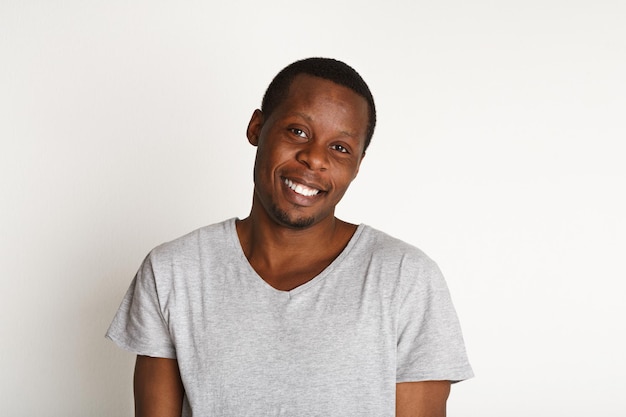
309, 151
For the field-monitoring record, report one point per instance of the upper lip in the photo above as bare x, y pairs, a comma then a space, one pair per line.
305, 182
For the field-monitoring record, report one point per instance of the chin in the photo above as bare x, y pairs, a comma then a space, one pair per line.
285, 219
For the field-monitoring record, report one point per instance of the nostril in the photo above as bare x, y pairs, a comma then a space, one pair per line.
313, 158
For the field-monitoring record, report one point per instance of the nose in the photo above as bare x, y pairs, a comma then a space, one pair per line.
314, 156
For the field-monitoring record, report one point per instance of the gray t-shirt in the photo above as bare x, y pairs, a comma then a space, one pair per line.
379, 314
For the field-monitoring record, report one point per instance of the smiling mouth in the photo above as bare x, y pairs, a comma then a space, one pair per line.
301, 189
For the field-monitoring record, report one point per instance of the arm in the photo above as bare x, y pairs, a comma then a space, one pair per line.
422, 399
158, 388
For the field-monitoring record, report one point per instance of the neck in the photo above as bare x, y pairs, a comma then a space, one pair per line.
287, 257
260, 234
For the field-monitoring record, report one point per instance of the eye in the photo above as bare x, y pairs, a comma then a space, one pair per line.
340, 148
298, 132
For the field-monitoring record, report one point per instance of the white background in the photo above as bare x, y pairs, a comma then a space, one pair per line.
499, 152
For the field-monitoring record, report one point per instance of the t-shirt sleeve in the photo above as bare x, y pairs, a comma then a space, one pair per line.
139, 325
430, 342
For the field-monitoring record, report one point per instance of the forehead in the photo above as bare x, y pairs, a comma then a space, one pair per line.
309, 86
315, 94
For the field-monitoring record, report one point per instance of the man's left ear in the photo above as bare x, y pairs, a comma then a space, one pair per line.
254, 127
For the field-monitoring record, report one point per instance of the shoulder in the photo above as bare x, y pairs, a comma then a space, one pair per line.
181, 263
189, 246
381, 244
393, 257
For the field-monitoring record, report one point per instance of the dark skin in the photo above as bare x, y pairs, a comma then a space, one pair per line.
157, 387
315, 141
309, 150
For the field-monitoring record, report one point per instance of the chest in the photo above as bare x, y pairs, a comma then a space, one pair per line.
290, 354
290, 275
328, 345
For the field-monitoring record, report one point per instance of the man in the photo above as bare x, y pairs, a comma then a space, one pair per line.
291, 311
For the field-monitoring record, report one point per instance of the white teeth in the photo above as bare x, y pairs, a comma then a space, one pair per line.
301, 189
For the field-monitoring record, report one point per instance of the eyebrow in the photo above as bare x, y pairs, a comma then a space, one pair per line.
304, 116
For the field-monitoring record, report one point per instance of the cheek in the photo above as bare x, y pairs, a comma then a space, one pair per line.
260, 167
348, 172
277, 156
342, 183
264, 157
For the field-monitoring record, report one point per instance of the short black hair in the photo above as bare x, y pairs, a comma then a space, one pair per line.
328, 69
